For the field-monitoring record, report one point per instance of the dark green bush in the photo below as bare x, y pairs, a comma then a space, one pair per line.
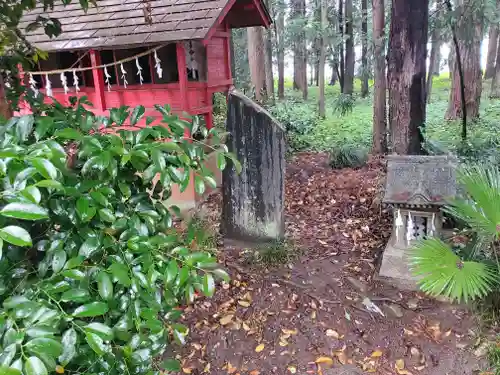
344, 104
348, 156
92, 274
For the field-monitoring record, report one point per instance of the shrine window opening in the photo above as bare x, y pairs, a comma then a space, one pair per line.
65, 60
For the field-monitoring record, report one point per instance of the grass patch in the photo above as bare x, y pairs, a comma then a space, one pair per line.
274, 254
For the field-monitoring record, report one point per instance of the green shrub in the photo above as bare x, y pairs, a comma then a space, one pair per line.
344, 104
92, 274
465, 271
348, 156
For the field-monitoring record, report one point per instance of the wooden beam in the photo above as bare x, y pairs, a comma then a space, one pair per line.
262, 13
98, 75
183, 79
218, 21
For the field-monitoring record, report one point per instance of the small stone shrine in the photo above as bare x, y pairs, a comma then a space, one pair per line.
253, 200
416, 189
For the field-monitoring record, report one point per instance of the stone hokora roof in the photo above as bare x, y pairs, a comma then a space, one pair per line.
420, 180
120, 23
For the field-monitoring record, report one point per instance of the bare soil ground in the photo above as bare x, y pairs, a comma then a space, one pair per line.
325, 313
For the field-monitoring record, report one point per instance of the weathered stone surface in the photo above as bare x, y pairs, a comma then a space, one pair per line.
344, 370
420, 180
253, 201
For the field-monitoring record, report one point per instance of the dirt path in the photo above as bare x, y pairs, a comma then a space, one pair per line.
313, 316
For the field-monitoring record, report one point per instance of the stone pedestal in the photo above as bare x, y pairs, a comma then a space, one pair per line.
253, 200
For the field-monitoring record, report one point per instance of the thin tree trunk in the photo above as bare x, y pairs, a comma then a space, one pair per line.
256, 60
303, 52
433, 60
469, 43
451, 62
364, 48
379, 144
349, 49
492, 52
268, 52
294, 16
495, 82
280, 31
341, 72
5, 108
407, 72
322, 59
334, 77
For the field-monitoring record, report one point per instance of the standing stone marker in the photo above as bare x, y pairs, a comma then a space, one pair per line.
416, 189
253, 200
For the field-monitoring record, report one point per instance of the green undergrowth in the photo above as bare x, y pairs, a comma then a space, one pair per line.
306, 131
273, 254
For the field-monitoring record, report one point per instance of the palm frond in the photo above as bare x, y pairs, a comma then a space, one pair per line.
444, 273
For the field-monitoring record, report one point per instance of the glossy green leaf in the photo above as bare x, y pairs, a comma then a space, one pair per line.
199, 185
99, 198
15, 235
41, 331
45, 168
96, 343
58, 260
171, 271
45, 345
49, 184
89, 247
105, 285
5, 370
73, 274
102, 330
7, 355
75, 295
24, 211
24, 126
32, 193
107, 215
208, 285
221, 274
221, 161
35, 366
137, 114
69, 133
69, 338
121, 273
91, 310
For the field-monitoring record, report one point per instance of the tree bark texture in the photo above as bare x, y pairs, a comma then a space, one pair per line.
280, 35
341, 72
469, 34
349, 49
364, 48
268, 52
495, 82
433, 61
299, 48
407, 57
492, 52
322, 59
256, 60
379, 144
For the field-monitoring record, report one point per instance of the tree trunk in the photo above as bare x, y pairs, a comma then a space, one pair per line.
469, 42
364, 48
5, 108
300, 48
407, 57
495, 82
492, 52
322, 59
341, 45
349, 49
256, 60
268, 51
433, 60
280, 32
303, 51
379, 144
334, 77
451, 62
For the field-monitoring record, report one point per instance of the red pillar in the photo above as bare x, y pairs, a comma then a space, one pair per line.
95, 60
183, 80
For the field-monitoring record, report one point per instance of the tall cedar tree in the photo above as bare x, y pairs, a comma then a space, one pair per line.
349, 49
379, 145
469, 33
298, 13
341, 72
280, 36
495, 82
433, 61
256, 60
322, 59
492, 52
364, 48
406, 74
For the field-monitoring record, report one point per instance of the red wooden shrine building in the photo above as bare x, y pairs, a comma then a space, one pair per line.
193, 54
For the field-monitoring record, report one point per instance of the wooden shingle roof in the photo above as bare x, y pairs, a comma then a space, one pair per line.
120, 23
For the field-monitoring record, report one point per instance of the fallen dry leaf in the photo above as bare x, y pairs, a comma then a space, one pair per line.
207, 368
324, 360
400, 367
292, 369
244, 303
254, 372
187, 370
289, 332
341, 356
376, 354
332, 333
259, 348
225, 320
